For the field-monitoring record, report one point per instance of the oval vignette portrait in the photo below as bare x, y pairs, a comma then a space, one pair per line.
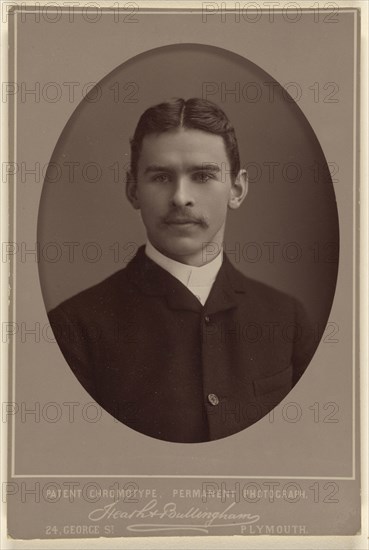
188, 243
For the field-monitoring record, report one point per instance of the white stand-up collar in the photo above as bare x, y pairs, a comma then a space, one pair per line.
199, 280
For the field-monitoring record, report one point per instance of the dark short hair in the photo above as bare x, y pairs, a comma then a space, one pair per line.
195, 114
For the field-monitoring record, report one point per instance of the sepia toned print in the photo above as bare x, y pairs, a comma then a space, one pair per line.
183, 273
168, 362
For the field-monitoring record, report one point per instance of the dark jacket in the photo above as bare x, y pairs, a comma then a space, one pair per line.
151, 355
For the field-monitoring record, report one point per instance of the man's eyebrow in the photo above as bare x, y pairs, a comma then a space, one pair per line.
156, 168
210, 166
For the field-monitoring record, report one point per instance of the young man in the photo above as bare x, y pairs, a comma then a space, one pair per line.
179, 345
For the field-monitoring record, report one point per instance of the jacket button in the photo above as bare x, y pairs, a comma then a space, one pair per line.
207, 319
213, 399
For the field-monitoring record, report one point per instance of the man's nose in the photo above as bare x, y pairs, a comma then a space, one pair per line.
182, 195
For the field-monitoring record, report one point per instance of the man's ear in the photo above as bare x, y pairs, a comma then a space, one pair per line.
131, 191
239, 190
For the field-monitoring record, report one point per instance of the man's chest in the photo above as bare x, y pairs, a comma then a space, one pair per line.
190, 372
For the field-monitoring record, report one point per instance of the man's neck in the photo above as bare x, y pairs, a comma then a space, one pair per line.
207, 255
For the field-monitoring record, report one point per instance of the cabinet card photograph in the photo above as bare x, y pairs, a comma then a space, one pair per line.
183, 259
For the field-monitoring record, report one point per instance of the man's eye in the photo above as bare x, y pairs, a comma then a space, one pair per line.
160, 178
203, 177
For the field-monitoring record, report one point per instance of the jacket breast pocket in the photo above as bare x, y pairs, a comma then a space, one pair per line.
281, 380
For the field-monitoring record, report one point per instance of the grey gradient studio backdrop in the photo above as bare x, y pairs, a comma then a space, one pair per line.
285, 233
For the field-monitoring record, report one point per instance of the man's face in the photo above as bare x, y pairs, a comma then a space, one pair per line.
183, 189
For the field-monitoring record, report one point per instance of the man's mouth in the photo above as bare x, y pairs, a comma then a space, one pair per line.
181, 221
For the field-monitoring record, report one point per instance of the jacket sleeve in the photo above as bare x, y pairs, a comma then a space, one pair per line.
73, 343
305, 342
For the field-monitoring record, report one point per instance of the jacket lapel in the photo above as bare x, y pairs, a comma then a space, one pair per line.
223, 294
153, 280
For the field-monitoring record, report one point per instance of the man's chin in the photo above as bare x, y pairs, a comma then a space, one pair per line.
180, 248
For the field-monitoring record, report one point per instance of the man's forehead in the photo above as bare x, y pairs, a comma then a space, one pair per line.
183, 146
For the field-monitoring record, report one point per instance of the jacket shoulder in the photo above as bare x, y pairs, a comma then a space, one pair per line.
97, 297
258, 292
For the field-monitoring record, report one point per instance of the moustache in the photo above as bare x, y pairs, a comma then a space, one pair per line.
184, 217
